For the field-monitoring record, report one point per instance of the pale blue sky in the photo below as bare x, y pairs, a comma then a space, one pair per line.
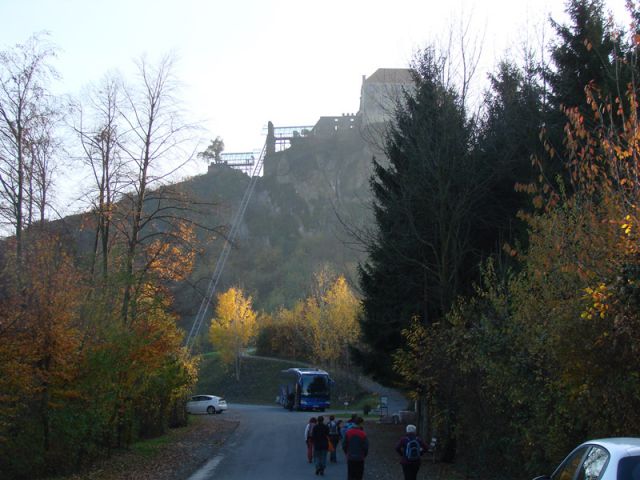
244, 62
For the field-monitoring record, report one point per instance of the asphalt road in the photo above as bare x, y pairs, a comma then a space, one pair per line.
268, 444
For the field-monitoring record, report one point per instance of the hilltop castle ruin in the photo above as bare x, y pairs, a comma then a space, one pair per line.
379, 95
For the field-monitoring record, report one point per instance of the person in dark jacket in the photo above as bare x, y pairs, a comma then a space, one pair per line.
334, 437
356, 448
410, 457
320, 439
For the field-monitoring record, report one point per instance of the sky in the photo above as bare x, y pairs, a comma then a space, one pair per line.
242, 63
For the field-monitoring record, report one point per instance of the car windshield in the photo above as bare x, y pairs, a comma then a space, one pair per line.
568, 469
593, 464
629, 468
315, 385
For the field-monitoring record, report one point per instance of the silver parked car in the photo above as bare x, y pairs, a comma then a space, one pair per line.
603, 459
206, 404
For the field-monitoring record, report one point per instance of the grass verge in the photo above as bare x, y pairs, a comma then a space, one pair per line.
151, 446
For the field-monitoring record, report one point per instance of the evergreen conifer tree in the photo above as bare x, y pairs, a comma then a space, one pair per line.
423, 198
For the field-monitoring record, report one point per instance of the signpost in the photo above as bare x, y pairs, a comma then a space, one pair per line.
384, 406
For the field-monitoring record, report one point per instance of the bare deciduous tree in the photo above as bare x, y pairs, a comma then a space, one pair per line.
43, 146
98, 126
26, 113
155, 136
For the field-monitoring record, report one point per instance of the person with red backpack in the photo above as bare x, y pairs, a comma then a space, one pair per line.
410, 447
356, 448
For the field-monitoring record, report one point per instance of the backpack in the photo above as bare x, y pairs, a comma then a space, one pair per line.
333, 428
412, 450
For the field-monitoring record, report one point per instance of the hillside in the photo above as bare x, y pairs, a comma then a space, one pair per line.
260, 380
297, 222
293, 225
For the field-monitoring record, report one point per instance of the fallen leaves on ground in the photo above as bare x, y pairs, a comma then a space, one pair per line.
186, 449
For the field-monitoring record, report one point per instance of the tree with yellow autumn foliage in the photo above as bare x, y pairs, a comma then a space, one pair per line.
233, 327
333, 323
319, 328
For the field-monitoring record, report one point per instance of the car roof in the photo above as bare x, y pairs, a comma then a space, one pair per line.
622, 446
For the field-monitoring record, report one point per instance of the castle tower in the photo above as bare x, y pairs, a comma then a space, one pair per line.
380, 93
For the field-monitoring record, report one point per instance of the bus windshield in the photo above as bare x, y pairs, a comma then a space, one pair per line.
315, 385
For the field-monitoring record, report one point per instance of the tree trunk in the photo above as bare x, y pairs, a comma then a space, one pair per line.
237, 365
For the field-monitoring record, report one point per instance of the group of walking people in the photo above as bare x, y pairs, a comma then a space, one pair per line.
324, 439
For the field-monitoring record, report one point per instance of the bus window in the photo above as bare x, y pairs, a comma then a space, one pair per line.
315, 385
305, 389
